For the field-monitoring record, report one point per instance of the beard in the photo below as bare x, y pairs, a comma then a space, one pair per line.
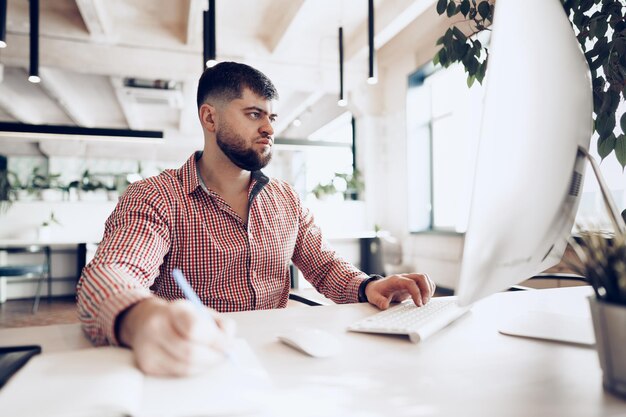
235, 148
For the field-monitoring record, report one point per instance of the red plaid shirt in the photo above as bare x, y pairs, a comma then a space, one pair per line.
170, 221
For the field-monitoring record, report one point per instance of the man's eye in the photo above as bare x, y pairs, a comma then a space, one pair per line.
272, 119
255, 115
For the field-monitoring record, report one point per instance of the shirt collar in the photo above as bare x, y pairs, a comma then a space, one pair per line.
191, 180
189, 173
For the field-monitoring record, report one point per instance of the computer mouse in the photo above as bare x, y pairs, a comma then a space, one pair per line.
314, 342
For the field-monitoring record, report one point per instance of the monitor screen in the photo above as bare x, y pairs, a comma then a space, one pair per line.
537, 113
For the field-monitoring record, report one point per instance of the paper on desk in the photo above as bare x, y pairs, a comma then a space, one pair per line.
94, 382
229, 389
105, 382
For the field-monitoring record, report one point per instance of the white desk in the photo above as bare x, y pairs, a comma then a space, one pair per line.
468, 369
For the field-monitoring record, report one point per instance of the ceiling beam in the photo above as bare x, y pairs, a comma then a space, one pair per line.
96, 18
151, 63
391, 17
18, 106
323, 111
57, 86
276, 25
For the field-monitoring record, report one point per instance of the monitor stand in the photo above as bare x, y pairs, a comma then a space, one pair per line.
565, 328
543, 325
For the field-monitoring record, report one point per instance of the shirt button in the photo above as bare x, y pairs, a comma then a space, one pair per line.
254, 274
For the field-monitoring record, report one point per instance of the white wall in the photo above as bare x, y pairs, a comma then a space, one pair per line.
80, 221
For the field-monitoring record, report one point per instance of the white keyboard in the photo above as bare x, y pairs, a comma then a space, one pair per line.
408, 319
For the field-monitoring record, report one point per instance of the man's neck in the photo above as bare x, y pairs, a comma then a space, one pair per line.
221, 175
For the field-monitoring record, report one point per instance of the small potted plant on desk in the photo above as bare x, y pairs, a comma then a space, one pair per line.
603, 262
44, 232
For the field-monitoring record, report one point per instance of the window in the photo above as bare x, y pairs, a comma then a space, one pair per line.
315, 160
443, 124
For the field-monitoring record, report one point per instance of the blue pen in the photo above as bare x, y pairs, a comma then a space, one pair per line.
191, 295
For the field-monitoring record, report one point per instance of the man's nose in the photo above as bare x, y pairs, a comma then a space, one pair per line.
267, 129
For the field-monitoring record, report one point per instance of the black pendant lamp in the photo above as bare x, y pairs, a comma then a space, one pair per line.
209, 36
33, 74
3, 23
371, 79
342, 100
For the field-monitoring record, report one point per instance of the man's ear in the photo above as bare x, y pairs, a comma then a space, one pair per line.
207, 114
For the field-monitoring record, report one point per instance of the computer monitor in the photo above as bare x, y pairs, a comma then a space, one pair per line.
536, 128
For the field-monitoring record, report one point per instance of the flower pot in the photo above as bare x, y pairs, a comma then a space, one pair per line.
609, 324
44, 233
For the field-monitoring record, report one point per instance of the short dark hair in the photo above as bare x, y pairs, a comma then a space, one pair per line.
227, 81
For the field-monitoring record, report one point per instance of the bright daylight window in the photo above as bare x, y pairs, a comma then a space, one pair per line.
315, 160
443, 129
443, 119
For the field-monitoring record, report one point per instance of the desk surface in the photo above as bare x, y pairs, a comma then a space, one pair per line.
467, 369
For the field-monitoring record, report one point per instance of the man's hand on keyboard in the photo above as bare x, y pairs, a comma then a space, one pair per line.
397, 288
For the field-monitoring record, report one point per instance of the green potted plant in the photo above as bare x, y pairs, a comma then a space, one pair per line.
44, 232
353, 184
323, 190
600, 27
350, 185
88, 188
603, 262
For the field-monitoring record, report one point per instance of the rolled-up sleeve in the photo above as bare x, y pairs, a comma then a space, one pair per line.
135, 242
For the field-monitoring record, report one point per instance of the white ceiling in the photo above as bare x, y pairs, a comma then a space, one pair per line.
88, 47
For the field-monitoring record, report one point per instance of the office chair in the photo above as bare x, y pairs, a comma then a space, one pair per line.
40, 270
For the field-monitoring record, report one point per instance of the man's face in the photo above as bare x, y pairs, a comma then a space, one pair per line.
244, 132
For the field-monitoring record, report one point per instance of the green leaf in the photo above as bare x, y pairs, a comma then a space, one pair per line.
622, 122
461, 49
441, 6
470, 81
443, 57
451, 9
606, 146
595, 64
473, 66
439, 41
436, 58
601, 28
620, 150
459, 35
577, 19
483, 9
492, 8
480, 76
605, 123
585, 5
447, 38
465, 7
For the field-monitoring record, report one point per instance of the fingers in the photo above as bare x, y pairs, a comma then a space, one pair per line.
399, 287
194, 324
379, 300
178, 339
425, 285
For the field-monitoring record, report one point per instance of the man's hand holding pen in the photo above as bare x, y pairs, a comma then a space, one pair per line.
174, 338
